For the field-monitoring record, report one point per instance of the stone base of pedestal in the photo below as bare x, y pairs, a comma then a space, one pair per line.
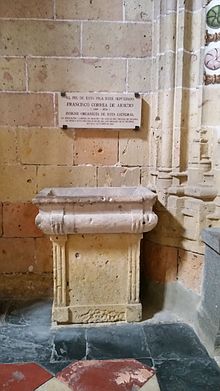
97, 313
101, 281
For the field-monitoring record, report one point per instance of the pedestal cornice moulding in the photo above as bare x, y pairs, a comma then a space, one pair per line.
95, 210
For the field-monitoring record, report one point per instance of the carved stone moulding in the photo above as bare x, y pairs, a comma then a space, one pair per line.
95, 210
96, 234
212, 37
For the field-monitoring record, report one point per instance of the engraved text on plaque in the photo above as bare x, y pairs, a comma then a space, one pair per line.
99, 110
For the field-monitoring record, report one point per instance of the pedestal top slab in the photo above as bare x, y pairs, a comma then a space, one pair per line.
95, 210
94, 194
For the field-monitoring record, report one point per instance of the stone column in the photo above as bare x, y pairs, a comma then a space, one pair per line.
59, 275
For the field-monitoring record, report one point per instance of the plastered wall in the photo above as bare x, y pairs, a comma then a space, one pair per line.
153, 47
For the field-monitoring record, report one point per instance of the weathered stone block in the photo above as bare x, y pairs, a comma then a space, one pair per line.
169, 7
138, 10
167, 24
44, 255
95, 147
87, 272
25, 285
44, 146
90, 258
118, 176
210, 115
166, 62
191, 110
190, 270
194, 213
17, 255
194, 5
191, 63
26, 109
187, 105
133, 148
96, 9
8, 143
181, 24
49, 176
139, 75
193, 24
169, 230
160, 262
96, 74
18, 183
19, 220
145, 176
116, 39
39, 38
12, 76
26, 9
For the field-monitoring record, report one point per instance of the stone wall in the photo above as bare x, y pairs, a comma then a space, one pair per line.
152, 47
184, 143
47, 47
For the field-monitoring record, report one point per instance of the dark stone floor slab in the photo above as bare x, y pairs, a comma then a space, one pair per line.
69, 344
188, 375
146, 361
173, 341
55, 367
115, 342
29, 313
24, 344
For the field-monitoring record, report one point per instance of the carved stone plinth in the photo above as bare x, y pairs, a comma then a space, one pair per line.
96, 234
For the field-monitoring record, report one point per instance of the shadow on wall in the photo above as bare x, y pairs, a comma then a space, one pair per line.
159, 262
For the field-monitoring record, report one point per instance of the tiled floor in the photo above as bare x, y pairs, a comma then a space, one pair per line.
68, 358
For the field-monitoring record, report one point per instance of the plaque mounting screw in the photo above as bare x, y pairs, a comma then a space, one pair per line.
63, 94
137, 95
137, 128
65, 127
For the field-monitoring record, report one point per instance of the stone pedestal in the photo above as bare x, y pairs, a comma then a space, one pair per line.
96, 234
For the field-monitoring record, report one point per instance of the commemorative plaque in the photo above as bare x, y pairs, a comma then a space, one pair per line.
99, 110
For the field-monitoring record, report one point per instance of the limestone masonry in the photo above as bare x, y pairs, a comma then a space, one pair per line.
157, 48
